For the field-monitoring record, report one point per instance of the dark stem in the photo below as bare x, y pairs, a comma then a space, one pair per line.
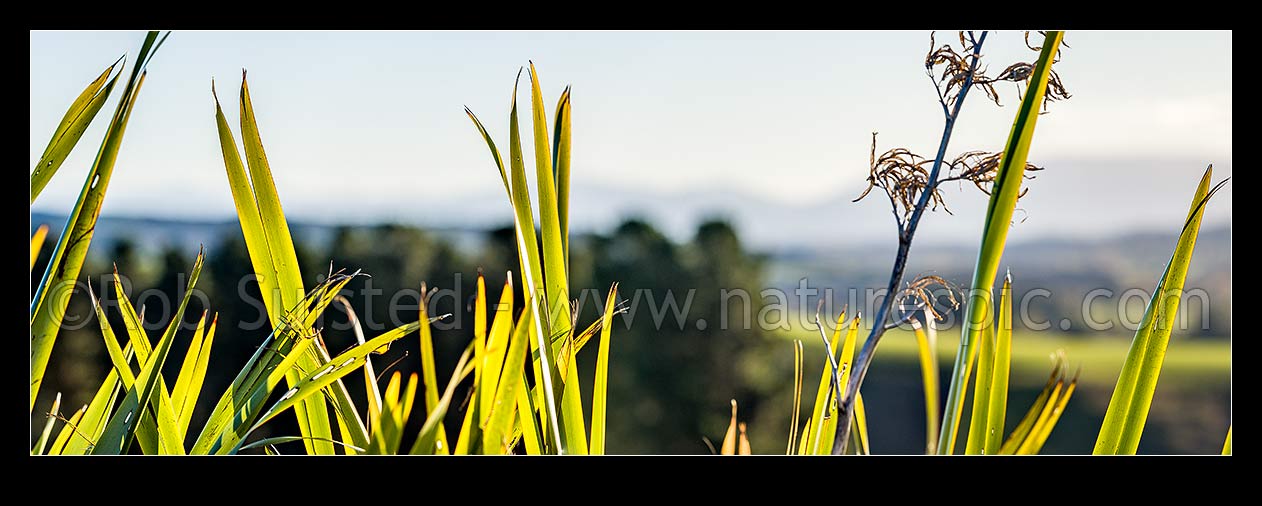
905, 235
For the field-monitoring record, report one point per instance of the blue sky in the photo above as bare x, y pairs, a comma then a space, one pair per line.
758, 126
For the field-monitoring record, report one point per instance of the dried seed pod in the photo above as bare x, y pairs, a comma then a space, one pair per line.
902, 175
920, 289
955, 72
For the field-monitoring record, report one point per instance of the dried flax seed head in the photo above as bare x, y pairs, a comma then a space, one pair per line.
955, 67
921, 289
903, 176
981, 169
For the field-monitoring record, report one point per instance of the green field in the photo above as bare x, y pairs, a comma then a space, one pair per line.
1199, 359
1191, 409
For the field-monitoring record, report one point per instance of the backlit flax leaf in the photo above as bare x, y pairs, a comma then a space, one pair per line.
861, 425
1022, 431
276, 354
428, 437
119, 431
927, 346
48, 306
572, 409
80, 114
156, 435
430, 373
600, 389
1003, 198
499, 423
822, 391
1128, 408
1037, 439
313, 417
68, 430
348, 361
981, 391
42, 443
998, 405
847, 360
496, 349
798, 372
729, 438
554, 264
37, 243
561, 169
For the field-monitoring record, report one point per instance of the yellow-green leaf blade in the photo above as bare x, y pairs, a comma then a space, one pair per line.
496, 349
42, 443
798, 373
275, 228
48, 307
314, 381
1132, 396
427, 440
998, 405
1022, 431
561, 170
1037, 439
153, 439
240, 404
37, 243
927, 351
981, 392
80, 114
861, 425
845, 360
495, 152
370, 374
180, 401
822, 391
119, 431
1003, 198
533, 278
272, 253
554, 264
572, 424
85, 431
480, 337
729, 437
69, 429
500, 415
430, 373
600, 388
530, 433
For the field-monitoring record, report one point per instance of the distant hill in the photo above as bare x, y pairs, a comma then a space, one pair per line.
153, 234
1068, 268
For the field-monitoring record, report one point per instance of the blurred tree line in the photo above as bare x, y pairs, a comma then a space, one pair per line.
669, 384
